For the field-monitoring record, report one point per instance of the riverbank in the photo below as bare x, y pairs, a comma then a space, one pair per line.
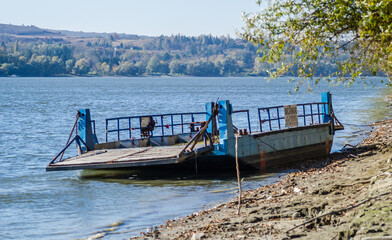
345, 196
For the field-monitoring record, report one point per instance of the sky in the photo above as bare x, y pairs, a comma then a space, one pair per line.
150, 18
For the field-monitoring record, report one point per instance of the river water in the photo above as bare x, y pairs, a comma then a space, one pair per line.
37, 114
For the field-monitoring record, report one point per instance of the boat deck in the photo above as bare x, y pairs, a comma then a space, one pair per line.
121, 158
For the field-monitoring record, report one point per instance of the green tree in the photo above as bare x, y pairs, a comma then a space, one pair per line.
154, 66
69, 65
40, 65
7, 69
16, 46
177, 67
81, 67
125, 69
229, 66
202, 68
104, 68
299, 34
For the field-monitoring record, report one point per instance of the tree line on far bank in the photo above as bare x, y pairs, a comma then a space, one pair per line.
115, 55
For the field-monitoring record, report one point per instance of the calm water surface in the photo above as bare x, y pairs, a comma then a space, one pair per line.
37, 114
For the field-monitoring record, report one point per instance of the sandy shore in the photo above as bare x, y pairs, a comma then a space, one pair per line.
347, 196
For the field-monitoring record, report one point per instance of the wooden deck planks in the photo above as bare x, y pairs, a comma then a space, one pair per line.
124, 154
122, 157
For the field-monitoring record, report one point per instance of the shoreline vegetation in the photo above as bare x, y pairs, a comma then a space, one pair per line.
29, 51
346, 196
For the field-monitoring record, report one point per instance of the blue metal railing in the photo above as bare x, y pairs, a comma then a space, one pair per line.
307, 112
248, 118
169, 124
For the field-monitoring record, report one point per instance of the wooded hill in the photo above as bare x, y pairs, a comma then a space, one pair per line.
32, 51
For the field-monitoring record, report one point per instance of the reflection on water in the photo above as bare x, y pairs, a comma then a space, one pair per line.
38, 113
157, 179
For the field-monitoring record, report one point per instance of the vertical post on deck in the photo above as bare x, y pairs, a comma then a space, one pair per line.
212, 127
163, 131
238, 175
172, 124
318, 113
311, 114
182, 123
326, 97
261, 127
250, 130
226, 131
106, 138
130, 129
118, 129
269, 119
326, 108
85, 128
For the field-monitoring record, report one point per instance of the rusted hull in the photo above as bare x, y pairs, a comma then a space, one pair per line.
266, 160
259, 161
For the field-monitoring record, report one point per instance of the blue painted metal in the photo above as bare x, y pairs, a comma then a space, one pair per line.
208, 107
318, 110
249, 126
118, 127
326, 108
172, 124
226, 131
85, 128
130, 127
269, 119
311, 115
260, 121
78, 141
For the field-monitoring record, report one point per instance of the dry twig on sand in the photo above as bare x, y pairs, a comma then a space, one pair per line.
339, 211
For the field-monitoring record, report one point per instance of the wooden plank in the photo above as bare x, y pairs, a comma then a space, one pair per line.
122, 157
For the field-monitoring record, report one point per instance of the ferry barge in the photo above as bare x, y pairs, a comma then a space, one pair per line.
203, 140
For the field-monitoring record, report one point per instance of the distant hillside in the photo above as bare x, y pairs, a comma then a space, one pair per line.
36, 31
33, 51
24, 30
97, 35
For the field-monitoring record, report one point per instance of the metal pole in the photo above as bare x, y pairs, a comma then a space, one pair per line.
106, 139
163, 133
318, 112
118, 129
182, 123
250, 130
311, 113
269, 119
172, 127
238, 174
261, 128
140, 125
130, 129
